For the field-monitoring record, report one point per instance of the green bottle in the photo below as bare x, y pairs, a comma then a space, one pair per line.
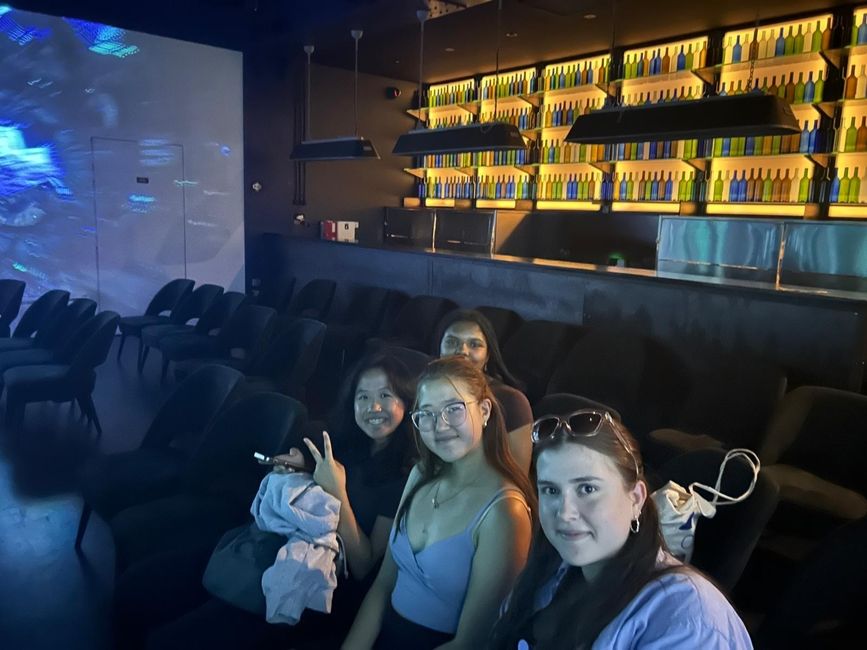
854, 188
718, 187
851, 139
816, 45
820, 86
776, 143
804, 188
844, 186
799, 42
799, 89
630, 188
717, 147
790, 42
767, 188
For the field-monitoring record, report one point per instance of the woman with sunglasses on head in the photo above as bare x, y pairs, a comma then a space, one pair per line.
468, 333
463, 527
598, 573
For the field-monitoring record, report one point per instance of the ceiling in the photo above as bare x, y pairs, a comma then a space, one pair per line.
546, 30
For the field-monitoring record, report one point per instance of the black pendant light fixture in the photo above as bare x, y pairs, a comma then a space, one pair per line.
488, 136
750, 114
348, 148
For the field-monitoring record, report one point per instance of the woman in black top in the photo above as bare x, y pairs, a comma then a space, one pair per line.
469, 333
373, 442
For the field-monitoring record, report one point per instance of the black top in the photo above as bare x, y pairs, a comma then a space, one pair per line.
374, 487
516, 408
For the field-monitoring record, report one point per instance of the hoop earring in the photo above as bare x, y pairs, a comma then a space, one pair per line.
635, 525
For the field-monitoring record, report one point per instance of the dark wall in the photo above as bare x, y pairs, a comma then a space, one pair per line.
351, 190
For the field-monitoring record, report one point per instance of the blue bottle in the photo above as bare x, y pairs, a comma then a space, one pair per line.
750, 146
780, 45
862, 30
742, 188
806, 135
734, 188
835, 189
681, 59
668, 187
736, 51
809, 89
815, 139
726, 146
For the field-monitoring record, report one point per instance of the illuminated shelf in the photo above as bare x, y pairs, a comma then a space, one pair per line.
804, 210
601, 165
853, 103
668, 207
820, 108
510, 99
424, 172
491, 170
831, 57
848, 210
666, 78
483, 170
699, 164
584, 206
854, 50
820, 159
424, 113
448, 203
505, 204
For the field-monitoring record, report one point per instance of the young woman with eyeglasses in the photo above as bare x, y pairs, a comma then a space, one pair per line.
463, 528
598, 574
468, 333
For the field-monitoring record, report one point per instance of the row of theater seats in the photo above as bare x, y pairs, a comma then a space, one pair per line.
674, 400
53, 352
196, 433
279, 348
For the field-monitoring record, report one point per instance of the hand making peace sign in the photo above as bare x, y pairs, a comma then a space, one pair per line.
329, 474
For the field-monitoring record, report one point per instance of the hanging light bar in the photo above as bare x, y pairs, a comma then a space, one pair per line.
488, 136
345, 148
751, 114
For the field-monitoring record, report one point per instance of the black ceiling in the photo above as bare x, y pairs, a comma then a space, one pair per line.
390, 43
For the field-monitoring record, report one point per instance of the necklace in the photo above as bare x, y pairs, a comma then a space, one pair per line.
436, 500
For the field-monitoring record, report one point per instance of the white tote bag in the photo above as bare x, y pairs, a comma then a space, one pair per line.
680, 508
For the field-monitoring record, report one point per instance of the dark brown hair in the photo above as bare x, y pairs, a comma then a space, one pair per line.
591, 607
399, 453
496, 366
495, 442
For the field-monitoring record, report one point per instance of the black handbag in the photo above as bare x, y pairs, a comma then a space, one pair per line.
234, 572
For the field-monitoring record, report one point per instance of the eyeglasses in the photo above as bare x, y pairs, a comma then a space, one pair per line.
454, 415
584, 423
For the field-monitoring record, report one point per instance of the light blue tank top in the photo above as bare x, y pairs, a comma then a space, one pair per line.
432, 584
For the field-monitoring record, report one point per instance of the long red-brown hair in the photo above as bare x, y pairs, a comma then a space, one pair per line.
495, 441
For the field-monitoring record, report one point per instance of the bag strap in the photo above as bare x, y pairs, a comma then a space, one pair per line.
721, 499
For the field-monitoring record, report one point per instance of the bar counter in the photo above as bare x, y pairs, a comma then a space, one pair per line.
817, 335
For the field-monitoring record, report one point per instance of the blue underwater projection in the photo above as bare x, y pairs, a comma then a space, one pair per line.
56, 83
23, 167
102, 39
16, 32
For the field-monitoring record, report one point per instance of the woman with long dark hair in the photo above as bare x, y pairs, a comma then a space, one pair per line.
364, 465
463, 527
598, 573
468, 333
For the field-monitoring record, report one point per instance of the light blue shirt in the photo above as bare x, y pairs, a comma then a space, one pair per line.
681, 610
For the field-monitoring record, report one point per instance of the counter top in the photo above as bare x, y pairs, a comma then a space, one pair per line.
636, 273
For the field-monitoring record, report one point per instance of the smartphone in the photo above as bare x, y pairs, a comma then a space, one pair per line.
290, 461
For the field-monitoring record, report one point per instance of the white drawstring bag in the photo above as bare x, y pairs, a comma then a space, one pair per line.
680, 508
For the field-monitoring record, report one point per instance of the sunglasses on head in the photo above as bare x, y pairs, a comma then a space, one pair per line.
579, 424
